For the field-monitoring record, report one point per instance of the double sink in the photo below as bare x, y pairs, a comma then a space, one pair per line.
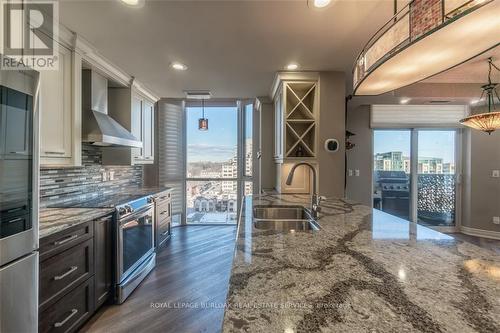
286, 219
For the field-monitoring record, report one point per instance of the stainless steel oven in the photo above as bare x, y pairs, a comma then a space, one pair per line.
135, 247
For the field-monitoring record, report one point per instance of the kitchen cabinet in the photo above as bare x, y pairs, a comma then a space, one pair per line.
296, 112
102, 259
60, 112
163, 217
75, 274
135, 112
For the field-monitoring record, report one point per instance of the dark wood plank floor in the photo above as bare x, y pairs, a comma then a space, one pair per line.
193, 270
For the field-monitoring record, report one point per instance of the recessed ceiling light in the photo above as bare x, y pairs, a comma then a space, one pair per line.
292, 67
321, 3
133, 3
404, 100
178, 66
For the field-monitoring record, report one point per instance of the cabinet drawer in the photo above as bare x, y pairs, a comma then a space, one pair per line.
163, 233
65, 270
53, 244
162, 197
163, 211
70, 312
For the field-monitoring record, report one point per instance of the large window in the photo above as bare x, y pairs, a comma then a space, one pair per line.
212, 165
414, 175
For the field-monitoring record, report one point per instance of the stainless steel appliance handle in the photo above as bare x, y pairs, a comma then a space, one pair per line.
164, 233
61, 323
135, 214
71, 270
65, 240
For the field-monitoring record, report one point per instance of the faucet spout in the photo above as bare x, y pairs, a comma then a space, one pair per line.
315, 200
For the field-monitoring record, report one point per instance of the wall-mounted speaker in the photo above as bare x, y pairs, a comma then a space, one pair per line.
332, 145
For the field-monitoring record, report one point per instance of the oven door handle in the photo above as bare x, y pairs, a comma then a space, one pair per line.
134, 215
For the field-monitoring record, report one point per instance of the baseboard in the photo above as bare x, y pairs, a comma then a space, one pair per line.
480, 232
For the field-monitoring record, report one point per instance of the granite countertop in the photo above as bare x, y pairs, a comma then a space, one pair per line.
53, 220
364, 271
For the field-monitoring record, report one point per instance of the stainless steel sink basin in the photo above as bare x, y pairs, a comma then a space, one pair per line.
280, 213
286, 219
287, 226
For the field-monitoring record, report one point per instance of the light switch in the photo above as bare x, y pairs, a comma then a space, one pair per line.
496, 219
357, 172
104, 176
495, 174
111, 175
350, 172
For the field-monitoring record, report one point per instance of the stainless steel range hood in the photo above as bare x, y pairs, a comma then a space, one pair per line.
97, 127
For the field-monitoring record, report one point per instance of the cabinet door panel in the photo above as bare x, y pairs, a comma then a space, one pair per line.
148, 130
103, 260
55, 109
137, 126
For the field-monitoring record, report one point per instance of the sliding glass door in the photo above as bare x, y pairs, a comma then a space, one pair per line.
391, 172
414, 175
436, 202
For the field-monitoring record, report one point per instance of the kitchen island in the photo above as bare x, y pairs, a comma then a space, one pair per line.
363, 271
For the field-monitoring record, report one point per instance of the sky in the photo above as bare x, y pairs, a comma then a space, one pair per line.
430, 143
219, 143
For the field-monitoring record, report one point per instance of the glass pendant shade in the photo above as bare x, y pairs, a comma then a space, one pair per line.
203, 124
484, 117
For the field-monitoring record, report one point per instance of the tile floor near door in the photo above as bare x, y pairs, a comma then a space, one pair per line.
184, 293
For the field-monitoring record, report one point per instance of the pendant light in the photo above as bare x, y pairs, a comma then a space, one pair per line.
486, 121
203, 122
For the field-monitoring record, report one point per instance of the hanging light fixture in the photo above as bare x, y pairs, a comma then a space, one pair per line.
203, 122
486, 121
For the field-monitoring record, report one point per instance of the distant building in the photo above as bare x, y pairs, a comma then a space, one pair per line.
390, 161
395, 161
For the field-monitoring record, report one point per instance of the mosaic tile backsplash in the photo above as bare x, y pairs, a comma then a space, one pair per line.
64, 185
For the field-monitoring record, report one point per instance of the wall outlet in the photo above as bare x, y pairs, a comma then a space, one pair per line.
496, 219
357, 172
495, 173
111, 175
104, 176
350, 173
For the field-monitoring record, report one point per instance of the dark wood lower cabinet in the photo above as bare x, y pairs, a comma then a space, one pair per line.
70, 312
75, 275
103, 245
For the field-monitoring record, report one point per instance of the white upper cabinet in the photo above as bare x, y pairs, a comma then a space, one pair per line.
148, 131
60, 112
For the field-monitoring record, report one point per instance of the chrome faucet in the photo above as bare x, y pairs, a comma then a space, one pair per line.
315, 198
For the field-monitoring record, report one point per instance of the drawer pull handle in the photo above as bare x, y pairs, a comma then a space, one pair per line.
164, 212
13, 210
71, 270
15, 220
163, 198
67, 239
18, 152
54, 152
61, 323
164, 233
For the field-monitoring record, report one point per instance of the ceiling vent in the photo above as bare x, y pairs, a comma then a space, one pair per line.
198, 94
440, 102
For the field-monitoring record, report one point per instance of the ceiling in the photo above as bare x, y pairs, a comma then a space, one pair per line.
232, 48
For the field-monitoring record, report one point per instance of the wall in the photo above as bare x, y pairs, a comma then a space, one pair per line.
481, 192
63, 185
332, 125
359, 188
267, 167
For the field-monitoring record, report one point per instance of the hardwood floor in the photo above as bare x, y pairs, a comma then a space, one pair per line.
193, 270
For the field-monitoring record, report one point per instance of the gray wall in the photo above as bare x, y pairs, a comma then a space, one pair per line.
481, 192
359, 188
267, 167
332, 125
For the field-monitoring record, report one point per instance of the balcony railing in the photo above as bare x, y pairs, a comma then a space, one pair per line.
416, 20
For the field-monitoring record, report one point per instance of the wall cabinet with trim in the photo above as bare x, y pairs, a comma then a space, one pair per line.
60, 112
296, 112
135, 112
